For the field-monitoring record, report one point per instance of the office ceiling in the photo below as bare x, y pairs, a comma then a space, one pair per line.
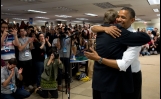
75, 8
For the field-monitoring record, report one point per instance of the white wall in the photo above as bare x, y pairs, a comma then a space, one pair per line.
154, 23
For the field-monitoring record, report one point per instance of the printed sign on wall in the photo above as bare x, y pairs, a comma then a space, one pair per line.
150, 28
30, 21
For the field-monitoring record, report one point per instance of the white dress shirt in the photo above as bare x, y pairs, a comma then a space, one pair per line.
130, 57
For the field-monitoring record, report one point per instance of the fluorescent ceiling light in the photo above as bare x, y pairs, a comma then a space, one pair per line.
28, 0
155, 10
8, 14
63, 16
90, 14
158, 14
36, 11
141, 21
42, 17
138, 19
41, 21
19, 19
152, 2
60, 20
76, 21
81, 19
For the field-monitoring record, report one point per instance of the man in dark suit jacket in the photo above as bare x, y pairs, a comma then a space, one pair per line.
109, 82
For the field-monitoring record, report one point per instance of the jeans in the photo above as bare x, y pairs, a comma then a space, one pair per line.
145, 53
39, 70
19, 94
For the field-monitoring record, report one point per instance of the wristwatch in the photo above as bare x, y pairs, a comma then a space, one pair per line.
100, 60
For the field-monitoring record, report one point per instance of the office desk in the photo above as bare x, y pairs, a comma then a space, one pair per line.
73, 62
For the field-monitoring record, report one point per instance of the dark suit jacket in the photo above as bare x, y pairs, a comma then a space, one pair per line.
109, 79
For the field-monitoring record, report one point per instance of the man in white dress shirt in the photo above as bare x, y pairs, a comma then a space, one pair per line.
126, 17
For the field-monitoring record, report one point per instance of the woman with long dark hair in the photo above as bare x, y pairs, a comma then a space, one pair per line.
48, 78
40, 50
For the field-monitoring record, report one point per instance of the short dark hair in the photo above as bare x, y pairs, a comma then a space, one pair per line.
30, 27
12, 61
2, 20
110, 16
22, 28
43, 26
4, 23
52, 50
130, 10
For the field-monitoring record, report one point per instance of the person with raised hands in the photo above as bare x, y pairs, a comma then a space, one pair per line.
40, 51
9, 89
9, 39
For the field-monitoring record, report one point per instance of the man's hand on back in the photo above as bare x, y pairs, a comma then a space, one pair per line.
113, 31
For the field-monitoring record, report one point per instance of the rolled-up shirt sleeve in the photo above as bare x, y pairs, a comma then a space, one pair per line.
128, 57
90, 30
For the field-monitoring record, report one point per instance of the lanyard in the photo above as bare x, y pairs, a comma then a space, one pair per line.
64, 46
9, 75
24, 41
64, 42
11, 86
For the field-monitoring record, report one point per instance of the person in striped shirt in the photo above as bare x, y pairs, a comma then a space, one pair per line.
8, 41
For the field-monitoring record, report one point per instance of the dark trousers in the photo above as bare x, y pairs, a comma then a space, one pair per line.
66, 62
60, 76
27, 71
34, 72
44, 93
19, 94
105, 95
39, 70
137, 80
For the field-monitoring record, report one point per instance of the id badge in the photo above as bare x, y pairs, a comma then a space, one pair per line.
26, 53
6, 48
45, 56
153, 49
64, 50
12, 87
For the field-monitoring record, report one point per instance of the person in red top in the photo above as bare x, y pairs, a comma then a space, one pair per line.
2, 63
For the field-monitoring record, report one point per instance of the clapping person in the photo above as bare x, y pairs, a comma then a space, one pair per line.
9, 39
40, 50
9, 89
25, 57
